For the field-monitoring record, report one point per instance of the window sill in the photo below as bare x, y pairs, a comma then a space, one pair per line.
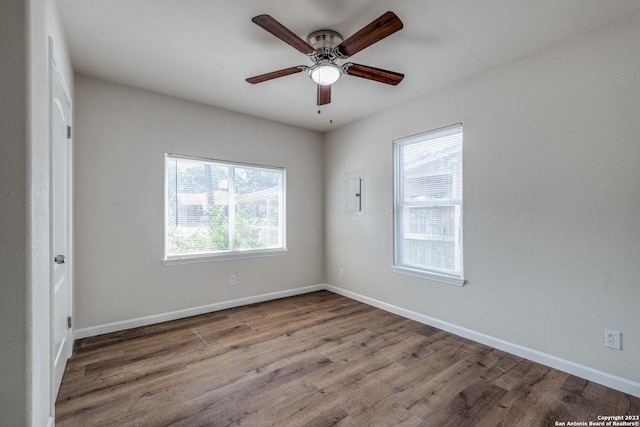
193, 259
458, 281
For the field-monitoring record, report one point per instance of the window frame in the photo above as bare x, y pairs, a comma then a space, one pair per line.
232, 253
399, 265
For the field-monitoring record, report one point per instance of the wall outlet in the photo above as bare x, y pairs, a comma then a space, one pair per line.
232, 279
612, 339
342, 273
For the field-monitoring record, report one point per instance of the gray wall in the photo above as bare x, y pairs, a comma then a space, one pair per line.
121, 137
14, 249
551, 201
24, 214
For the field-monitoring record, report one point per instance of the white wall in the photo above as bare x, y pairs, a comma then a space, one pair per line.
24, 217
551, 202
121, 135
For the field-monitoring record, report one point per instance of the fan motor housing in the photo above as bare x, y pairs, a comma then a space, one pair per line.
324, 39
324, 42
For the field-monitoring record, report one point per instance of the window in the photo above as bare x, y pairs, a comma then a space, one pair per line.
219, 209
428, 205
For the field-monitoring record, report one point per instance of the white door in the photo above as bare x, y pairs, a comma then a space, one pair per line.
61, 339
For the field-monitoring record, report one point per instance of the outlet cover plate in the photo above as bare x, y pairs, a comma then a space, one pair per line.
612, 339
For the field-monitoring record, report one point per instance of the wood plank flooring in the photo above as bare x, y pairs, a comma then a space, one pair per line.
317, 359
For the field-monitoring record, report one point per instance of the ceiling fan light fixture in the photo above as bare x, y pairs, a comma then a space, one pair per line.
325, 73
325, 47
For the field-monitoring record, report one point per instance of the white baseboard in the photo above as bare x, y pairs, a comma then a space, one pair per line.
51, 422
608, 380
194, 311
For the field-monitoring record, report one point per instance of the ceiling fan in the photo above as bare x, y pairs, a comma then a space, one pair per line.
325, 47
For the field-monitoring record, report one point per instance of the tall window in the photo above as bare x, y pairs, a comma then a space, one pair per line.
428, 204
216, 208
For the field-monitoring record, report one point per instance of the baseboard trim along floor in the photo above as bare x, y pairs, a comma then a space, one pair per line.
194, 311
606, 379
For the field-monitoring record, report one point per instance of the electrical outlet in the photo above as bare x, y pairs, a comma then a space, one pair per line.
232, 279
612, 339
342, 273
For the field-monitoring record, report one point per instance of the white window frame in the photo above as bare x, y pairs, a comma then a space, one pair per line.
399, 264
232, 253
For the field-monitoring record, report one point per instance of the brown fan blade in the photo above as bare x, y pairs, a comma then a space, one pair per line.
370, 73
283, 33
275, 74
324, 94
380, 28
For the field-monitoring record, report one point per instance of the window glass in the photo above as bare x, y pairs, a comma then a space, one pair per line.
428, 204
218, 207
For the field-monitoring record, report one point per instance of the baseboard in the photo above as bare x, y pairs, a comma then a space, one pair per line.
608, 380
51, 422
194, 311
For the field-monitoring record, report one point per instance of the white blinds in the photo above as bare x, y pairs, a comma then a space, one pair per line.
428, 203
219, 207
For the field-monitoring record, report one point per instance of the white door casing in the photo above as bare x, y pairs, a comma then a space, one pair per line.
60, 234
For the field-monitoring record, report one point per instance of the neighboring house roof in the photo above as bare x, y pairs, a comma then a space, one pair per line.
192, 199
202, 199
221, 198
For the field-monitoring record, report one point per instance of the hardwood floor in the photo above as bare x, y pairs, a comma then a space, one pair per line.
317, 359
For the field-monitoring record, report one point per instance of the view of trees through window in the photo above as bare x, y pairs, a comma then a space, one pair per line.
215, 207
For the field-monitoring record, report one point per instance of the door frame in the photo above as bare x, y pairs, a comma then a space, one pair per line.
56, 77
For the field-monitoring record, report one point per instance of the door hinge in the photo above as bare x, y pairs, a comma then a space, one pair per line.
68, 322
68, 132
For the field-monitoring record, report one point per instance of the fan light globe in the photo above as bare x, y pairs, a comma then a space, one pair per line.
325, 74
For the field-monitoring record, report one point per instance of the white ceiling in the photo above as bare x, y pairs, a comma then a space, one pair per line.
202, 50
